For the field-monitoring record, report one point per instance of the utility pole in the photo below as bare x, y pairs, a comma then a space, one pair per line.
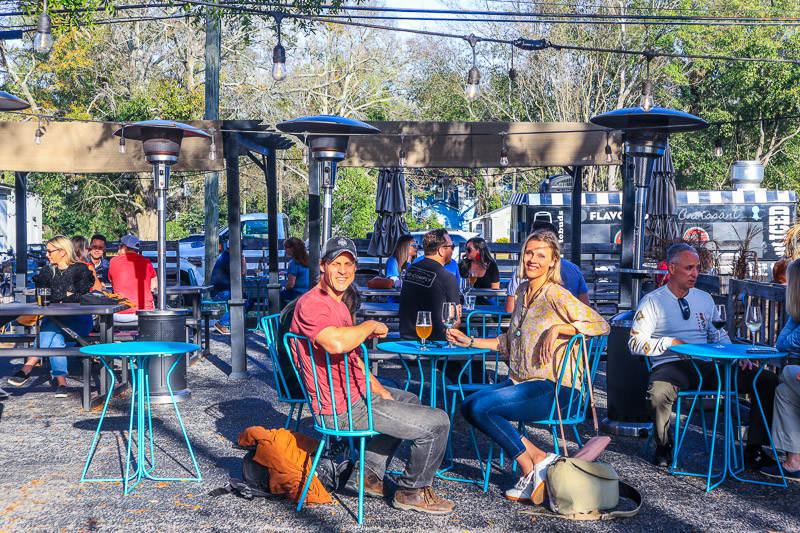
213, 45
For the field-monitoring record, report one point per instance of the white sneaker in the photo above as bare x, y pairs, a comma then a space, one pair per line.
540, 471
523, 488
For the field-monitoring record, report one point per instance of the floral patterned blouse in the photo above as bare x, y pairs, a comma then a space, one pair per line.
555, 305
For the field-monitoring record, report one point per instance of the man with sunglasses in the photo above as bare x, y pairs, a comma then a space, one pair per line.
678, 313
428, 284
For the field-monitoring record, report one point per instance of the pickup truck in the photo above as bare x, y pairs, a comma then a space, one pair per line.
254, 226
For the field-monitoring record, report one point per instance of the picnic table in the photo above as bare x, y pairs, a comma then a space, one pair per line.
105, 316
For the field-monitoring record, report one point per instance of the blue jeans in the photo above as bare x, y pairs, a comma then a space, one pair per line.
225, 296
402, 418
50, 336
493, 409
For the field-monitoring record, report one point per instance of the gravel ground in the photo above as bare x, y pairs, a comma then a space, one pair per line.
44, 442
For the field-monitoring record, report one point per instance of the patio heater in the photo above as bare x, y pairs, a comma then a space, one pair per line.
161, 143
327, 137
645, 134
9, 102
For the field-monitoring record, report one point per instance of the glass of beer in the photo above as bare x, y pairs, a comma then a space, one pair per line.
43, 296
424, 327
473, 277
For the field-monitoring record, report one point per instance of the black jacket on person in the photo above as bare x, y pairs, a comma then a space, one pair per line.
76, 279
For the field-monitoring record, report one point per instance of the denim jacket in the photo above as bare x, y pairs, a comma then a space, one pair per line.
789, 339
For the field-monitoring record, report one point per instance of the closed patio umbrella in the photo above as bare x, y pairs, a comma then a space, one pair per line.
661, 227
390, 204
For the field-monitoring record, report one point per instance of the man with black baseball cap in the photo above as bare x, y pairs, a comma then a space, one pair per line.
397, 415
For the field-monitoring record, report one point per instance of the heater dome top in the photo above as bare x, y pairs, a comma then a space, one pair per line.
9, 102
326, 124
658, 118
134, 131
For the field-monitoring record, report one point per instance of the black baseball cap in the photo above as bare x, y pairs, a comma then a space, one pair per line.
336, 246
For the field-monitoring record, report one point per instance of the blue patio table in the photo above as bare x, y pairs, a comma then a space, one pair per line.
435, 351
726, 357
139, 353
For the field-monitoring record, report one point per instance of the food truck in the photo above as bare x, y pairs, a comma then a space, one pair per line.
720, 216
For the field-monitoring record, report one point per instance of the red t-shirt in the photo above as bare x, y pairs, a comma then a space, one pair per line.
315, 311
130, 275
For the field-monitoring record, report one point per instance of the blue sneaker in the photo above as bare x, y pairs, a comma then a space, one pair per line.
773, 471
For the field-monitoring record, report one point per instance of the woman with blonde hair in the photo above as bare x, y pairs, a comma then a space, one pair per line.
68, 279
545, 317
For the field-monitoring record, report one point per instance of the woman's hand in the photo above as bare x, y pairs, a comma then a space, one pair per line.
548, 345
456, 336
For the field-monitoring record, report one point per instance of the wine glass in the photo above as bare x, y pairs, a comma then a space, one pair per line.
473, 277
449, 316
424, 327
752, 320
465, 286
718, 321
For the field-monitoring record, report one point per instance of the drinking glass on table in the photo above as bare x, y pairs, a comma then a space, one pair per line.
719, 322
752, 320
465, 286
449, 316
43, 296
473, 277
424, 327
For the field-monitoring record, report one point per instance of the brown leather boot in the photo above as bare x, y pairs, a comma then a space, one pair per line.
422, 500
373, 486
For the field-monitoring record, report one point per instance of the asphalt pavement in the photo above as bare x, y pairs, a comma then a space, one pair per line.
44, 442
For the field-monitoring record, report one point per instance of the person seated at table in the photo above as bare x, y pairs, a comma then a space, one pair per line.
679, 313
545, 317
297, 272
786, 414
478, 263
571, 274
221, 287
68, 279
397, 415
132, 276
405, 251
450, 265
97, 255
80, 247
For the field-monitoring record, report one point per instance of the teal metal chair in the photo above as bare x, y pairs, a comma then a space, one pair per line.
270, 325
482, 324
573, 411
694, 395
328, 425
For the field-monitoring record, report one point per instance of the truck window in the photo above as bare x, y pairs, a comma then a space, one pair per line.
255, 229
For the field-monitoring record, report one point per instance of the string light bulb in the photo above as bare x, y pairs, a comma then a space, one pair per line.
402, 160
212, 150
504, 153
37, 137
473, 90
122, 147
279, 54
43, 40
609, 154
718, 144
647, 103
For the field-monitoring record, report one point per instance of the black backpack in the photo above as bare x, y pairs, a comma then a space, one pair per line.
255, 484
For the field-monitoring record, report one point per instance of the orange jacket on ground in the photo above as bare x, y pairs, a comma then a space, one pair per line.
288, 455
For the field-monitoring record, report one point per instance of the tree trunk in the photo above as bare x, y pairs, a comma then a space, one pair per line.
147, 225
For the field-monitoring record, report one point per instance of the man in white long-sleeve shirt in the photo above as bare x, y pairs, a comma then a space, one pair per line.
677, 313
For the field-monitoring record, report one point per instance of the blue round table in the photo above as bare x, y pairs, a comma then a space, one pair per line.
435, 351
139, 353
726, 357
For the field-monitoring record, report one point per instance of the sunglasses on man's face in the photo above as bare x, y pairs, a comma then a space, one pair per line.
685, 311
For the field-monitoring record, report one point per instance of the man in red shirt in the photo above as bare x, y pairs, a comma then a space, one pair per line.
132, 276
397, 415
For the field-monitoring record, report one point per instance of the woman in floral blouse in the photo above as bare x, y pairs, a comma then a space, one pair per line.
545, 317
